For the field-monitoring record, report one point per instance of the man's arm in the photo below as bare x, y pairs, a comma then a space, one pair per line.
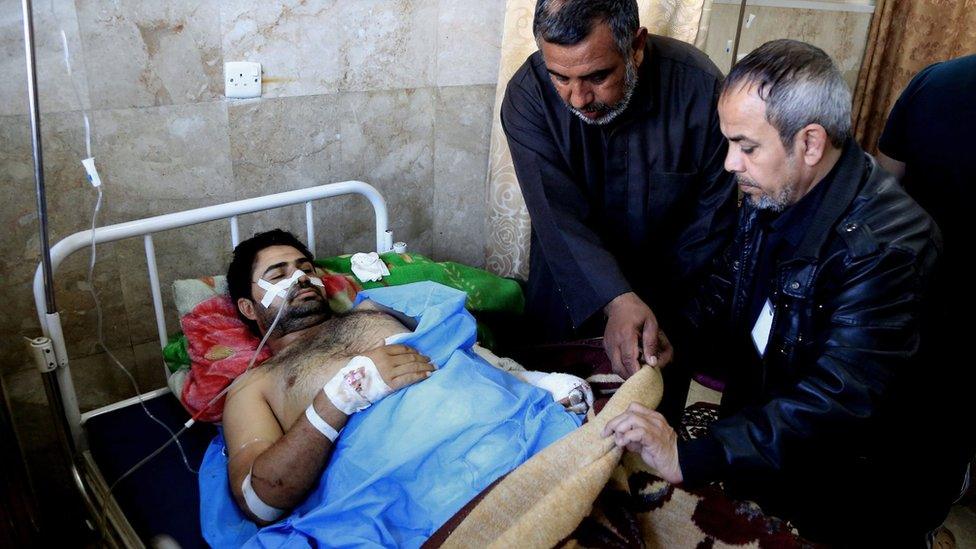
585, 272
283, 465
895, 144
713, 222
698, 261
873, 334
702, 330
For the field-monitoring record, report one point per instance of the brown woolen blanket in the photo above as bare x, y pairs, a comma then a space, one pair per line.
544, 500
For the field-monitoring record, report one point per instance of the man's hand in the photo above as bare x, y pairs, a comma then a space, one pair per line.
632, 329
646, 432
400, 365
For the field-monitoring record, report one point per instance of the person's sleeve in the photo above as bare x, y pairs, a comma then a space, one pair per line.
701, 332
586, 274
872, 333
894, 140
713, 222
706, 257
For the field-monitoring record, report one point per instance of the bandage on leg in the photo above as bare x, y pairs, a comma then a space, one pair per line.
320, 424
357, 385
256, 505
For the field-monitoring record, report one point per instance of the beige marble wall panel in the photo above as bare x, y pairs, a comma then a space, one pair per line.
387, 141
151, 53
70, 201
151, 158
469, 37
463, 124
18, 321
79, 318
389, 44
842, 34
310, 47
18, 210
283, 144
54, 86
67, 192
297, 42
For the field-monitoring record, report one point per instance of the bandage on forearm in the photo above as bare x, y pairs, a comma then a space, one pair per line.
357, 385
320, 424
256, 505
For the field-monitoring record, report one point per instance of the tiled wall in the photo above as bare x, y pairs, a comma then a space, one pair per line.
397, 93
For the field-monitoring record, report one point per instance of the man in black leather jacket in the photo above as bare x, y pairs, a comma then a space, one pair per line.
817, 316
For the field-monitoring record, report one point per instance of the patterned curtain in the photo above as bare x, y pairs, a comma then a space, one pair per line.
507, 252
906, 37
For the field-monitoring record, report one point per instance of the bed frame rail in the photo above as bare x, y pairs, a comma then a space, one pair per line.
145, 228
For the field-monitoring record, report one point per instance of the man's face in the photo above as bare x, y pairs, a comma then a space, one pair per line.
307, 305
766, 171
593, 78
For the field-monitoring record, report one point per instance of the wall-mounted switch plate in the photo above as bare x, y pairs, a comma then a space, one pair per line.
242, 79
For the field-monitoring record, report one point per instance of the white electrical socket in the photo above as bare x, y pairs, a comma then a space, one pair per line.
242, 79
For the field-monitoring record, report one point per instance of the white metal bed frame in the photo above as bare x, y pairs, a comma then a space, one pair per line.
68, 410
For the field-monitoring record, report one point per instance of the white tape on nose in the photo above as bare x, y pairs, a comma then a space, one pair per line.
280, 289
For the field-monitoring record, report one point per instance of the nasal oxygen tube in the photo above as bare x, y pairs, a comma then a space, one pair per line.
279, 290
189, 423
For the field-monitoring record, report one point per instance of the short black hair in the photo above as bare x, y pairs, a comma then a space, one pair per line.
800, 84
569, 22
242, 265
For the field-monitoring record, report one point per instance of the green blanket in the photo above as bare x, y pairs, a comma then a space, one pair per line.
486, 292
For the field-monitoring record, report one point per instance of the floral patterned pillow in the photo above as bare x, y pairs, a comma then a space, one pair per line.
219, 344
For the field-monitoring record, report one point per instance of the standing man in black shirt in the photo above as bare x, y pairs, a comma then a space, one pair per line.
819, 310
929, 144
616, 145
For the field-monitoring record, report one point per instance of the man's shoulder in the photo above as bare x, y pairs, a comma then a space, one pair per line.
938, 83
954, 72
675, 55
884, 217
526, 78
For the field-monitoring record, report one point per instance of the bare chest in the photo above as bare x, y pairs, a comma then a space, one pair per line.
298, 373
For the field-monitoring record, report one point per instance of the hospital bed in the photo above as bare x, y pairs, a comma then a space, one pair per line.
161, 499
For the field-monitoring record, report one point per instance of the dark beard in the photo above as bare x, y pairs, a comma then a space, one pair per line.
609, 112
303, 315
299, 316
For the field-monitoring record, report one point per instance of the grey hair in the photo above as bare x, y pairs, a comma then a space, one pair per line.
800, 84
569, 22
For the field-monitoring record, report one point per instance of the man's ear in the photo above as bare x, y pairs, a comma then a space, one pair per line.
246, 307
640, 39
813, 142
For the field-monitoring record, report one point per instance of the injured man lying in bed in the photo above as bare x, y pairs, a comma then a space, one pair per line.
368, 428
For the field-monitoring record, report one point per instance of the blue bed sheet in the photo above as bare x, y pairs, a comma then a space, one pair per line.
405, 465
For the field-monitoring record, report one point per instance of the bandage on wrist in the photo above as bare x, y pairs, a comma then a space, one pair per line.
320, 424
256, 505
357, 385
